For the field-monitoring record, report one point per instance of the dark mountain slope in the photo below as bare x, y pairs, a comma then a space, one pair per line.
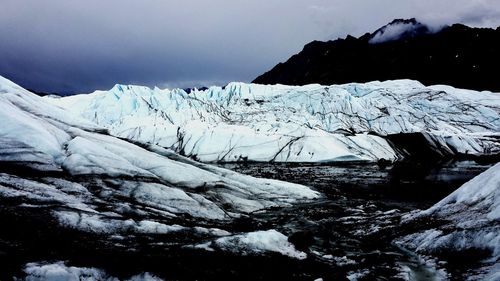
456, 55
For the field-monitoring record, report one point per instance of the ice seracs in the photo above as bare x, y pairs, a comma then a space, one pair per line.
313, 123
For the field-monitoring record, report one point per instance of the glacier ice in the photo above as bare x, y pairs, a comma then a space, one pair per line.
467, 219
109, 163
254, 243
98, 183
59, 271
312, 123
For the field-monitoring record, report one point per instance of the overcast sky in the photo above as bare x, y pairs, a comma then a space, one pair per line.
80, 46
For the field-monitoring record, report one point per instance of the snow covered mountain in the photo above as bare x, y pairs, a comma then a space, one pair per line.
93, 182
313, 123
466, 220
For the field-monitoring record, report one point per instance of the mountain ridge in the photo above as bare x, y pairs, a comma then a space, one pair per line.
456, 55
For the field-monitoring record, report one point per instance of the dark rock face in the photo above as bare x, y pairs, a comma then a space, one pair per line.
456, 55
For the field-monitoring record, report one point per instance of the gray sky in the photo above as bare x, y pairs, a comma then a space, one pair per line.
79, 46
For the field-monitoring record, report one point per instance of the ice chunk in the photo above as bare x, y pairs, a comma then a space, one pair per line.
256, 243
60, 272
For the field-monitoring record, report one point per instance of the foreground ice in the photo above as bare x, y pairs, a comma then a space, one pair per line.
313, 123
98, 183
255, 243
468, 220
61, 272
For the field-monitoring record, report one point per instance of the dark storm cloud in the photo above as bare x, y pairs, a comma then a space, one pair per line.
79, 46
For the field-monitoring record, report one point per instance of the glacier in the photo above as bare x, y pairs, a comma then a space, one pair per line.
96, 183
126, 166
312, 123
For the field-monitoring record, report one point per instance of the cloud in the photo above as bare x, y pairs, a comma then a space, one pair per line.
478, 13
481, 13
80, 46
